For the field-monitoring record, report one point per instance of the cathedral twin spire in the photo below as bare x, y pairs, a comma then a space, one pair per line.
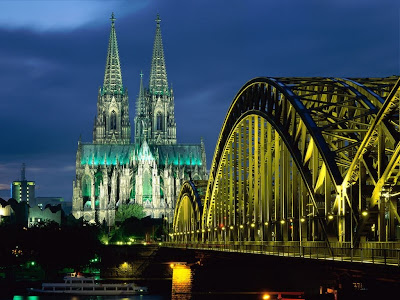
112, 75
158, 73
112, 125
154, 119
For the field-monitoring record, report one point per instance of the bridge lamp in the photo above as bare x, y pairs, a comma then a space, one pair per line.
364, 213
266, 223
266, 297
192, 231
215, 228
330, 217
253, 225
197, 231
223, 228
241, 226
203, 230
282, 221
231, 227
208, 229
302, 220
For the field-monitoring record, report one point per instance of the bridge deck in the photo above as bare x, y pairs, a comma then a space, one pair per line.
388, 257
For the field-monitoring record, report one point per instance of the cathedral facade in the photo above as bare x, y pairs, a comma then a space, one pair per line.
112, 171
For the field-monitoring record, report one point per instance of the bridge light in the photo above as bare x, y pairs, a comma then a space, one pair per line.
231, 227
215, 228
302, 220
252, 225
192, 231
197, 231
330, 217
223, 228
203, 230
266, 297
364, 213
266, 223
241, 226
171, 265
208, 229
282, 221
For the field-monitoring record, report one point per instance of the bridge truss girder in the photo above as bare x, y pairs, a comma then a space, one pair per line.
301, 159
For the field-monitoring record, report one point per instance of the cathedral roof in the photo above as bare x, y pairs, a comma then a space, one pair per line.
100, 154
158, 74
181, 154
113, 76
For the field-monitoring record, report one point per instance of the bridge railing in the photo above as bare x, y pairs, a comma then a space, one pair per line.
309, 250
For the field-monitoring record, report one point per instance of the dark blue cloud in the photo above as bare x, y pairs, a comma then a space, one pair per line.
50, 74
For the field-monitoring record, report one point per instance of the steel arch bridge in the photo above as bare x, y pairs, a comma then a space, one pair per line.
301, 159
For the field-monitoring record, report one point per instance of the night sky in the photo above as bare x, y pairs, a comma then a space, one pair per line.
53, 55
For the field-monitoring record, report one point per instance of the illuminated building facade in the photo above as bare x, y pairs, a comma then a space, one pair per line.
23, 190
112, 171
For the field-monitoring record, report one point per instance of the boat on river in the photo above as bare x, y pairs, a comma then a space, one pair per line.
76, 284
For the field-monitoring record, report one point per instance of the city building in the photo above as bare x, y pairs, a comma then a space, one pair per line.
46, 214
23, 190
42, 202
5, 210
112, 171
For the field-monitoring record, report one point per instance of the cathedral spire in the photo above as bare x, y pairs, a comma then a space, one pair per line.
141, 89
158, 73
112, 76
112, 125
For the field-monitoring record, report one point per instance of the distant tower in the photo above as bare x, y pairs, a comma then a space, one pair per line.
155, 117
23, 190
112, 125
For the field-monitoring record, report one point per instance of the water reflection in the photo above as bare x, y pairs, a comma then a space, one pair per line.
182, 278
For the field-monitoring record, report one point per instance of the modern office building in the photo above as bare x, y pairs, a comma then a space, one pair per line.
23, 190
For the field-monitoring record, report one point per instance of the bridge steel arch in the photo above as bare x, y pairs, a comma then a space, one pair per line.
188, 211
303, 159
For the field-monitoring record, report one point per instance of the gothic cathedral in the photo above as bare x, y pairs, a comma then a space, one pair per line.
112, 171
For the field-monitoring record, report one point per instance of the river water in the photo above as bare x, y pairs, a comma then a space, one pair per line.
62, 297
186, 283
245, 278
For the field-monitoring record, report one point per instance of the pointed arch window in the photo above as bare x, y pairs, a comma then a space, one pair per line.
159, 121
113, 121
86, 189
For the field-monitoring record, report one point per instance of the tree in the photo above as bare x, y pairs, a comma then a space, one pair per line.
126, 211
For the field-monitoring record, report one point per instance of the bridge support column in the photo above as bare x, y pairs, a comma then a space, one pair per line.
341, 215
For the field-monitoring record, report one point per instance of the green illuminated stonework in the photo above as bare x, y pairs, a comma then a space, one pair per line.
176, 155
113, 171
